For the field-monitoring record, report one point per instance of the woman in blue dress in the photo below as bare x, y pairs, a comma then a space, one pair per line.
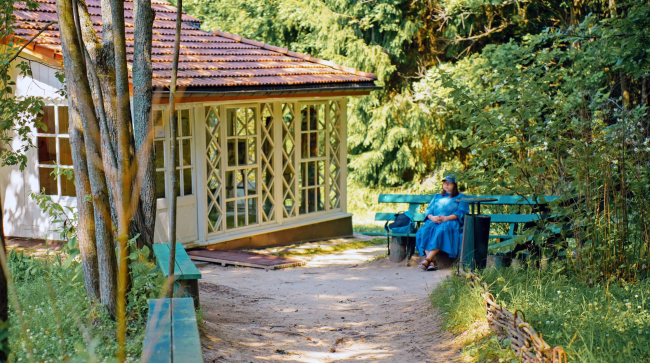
442, 228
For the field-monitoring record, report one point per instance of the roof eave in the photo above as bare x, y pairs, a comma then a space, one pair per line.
273, 90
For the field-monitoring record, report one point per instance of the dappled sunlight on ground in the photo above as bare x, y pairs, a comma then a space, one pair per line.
337, 308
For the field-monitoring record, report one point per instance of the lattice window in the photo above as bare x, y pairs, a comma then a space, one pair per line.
213, 169
267, 155
313, 158
242, 170
334, 128
288, 157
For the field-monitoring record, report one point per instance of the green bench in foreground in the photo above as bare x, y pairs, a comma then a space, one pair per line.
415, 202
172, 334
186, 275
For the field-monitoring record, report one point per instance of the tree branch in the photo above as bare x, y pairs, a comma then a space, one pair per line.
29, 41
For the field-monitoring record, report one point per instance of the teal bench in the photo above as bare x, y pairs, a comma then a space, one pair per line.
171, 334
514, 220
186, 275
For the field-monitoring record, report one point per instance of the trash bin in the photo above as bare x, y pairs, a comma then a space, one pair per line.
476, 233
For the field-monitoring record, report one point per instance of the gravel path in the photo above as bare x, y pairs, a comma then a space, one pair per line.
337, 308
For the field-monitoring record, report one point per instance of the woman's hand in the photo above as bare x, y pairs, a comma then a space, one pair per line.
437, 219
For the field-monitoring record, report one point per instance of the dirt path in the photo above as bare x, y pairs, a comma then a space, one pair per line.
336, 309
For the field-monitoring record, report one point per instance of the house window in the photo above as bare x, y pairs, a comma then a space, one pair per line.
319, 167
53, 143
185, 168
242, 167
313, 158
159, 143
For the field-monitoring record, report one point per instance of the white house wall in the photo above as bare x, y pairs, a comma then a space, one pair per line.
21, 215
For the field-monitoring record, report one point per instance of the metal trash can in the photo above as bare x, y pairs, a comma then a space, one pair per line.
476, 233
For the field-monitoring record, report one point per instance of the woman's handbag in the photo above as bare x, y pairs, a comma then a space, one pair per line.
403, 223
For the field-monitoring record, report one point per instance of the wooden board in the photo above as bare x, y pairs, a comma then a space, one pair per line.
157, 339
184, 268
186, 345
243, 258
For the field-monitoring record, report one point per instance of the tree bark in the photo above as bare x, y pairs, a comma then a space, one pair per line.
644, 92
122, 195
142, 122
625, 92
80, 99
85, 225
174, 145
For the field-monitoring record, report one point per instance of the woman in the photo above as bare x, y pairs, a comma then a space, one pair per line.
441, 229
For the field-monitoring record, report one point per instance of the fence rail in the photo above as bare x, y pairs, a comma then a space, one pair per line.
527, 344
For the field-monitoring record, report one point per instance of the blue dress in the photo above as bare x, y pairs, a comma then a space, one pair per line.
445, 236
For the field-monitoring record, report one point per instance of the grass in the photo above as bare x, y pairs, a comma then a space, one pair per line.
334, 248
606, 322
52, 320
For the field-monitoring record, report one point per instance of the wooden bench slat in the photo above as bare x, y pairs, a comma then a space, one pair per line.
184, 268
183, 261
157, 339
405, 198
501, 199
185, 340
418, 217
513, 218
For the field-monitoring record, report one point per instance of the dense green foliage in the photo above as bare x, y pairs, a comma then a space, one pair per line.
607, 322
564, 113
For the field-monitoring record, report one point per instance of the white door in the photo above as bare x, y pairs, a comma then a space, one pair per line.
186, 213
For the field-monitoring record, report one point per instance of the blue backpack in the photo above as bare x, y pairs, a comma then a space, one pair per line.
403, 223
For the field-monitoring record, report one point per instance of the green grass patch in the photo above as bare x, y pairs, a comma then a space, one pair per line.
52, 320
606, 322
334, 248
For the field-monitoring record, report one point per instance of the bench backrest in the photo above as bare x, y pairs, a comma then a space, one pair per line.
502, 199
184, 268
415, 201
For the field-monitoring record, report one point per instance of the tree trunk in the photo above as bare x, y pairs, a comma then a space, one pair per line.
80, 99
625, 92
143, 127
85, 225
644, 92
174, 145
4, 302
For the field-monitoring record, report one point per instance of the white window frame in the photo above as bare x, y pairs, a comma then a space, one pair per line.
57, 135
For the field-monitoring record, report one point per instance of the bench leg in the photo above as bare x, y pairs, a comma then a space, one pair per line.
188, 288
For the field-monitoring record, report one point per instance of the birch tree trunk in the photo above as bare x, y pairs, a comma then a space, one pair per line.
174, 145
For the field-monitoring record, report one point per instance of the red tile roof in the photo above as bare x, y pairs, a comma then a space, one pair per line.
207, 59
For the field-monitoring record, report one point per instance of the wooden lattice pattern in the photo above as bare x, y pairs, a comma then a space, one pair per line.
288, 161
334, 154
213, 172
267, 156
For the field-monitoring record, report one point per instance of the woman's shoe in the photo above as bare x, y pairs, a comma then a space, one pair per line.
424, 265
432, 266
